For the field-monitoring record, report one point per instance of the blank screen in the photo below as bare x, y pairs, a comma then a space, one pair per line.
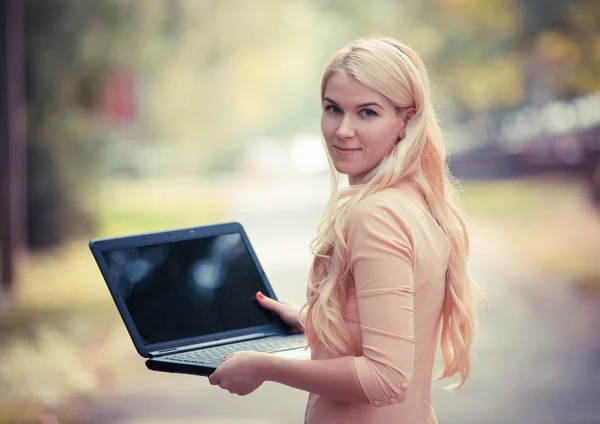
189, 288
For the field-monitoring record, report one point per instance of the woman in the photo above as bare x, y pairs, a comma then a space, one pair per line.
389, 276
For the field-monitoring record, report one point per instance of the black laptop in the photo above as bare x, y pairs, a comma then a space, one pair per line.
188, 297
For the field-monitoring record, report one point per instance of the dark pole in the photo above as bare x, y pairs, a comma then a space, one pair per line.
12, 145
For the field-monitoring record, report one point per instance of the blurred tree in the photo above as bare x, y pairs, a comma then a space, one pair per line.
214, 75
561, 39
71, 47
527, 51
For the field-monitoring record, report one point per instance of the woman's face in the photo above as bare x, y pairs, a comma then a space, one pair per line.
360, 126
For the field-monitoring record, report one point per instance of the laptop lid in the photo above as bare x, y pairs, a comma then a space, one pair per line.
186, 287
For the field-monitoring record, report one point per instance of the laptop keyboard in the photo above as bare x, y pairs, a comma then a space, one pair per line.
216, 354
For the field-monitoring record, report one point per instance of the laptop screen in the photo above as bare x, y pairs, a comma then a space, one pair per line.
189, 288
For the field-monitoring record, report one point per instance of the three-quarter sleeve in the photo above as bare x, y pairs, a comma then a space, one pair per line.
380, 249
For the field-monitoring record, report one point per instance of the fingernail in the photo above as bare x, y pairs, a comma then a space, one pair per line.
260, 295
225, 357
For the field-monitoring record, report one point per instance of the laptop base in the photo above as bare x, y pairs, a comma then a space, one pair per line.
164, 365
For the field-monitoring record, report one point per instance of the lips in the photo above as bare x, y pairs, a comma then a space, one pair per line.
346, 149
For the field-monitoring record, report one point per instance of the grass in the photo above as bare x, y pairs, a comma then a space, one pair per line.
547, 220
131, 207
65, 336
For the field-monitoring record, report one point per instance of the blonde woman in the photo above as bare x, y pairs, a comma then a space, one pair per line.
389, 276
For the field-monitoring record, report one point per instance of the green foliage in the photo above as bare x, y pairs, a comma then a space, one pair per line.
71, 46
217, 75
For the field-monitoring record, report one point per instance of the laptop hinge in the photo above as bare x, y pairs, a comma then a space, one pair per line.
164, 351
210, 344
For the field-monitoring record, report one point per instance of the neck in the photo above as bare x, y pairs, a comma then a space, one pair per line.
355, 179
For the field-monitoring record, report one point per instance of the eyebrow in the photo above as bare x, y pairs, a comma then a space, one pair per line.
358, 106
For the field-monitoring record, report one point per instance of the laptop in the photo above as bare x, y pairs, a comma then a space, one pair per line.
188, 297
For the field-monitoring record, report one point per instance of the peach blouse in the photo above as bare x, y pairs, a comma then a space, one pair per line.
398, 257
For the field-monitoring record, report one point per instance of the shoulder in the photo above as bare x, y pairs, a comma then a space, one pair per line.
388, 205
383, 213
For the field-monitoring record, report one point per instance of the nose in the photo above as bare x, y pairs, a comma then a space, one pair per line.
346, 129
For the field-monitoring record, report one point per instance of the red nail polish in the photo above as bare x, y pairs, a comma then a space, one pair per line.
260, 295
225, 357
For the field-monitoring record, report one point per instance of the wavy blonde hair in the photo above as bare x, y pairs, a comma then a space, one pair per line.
395, 71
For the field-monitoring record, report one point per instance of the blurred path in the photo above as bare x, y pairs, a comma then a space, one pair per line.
538, 359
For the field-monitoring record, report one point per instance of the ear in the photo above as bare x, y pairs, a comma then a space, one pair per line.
406, 116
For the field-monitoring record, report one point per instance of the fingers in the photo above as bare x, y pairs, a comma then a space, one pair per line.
267, 302
226, 357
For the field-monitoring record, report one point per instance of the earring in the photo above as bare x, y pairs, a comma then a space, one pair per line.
398, 141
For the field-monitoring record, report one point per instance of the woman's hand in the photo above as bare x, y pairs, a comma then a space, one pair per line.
242, 373
288, 311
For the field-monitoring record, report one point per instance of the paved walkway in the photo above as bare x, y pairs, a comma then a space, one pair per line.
538, 353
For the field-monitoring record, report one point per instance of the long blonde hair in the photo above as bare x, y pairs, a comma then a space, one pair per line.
394, 70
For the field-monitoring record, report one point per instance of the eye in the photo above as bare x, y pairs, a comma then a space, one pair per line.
368, 113
333, 109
